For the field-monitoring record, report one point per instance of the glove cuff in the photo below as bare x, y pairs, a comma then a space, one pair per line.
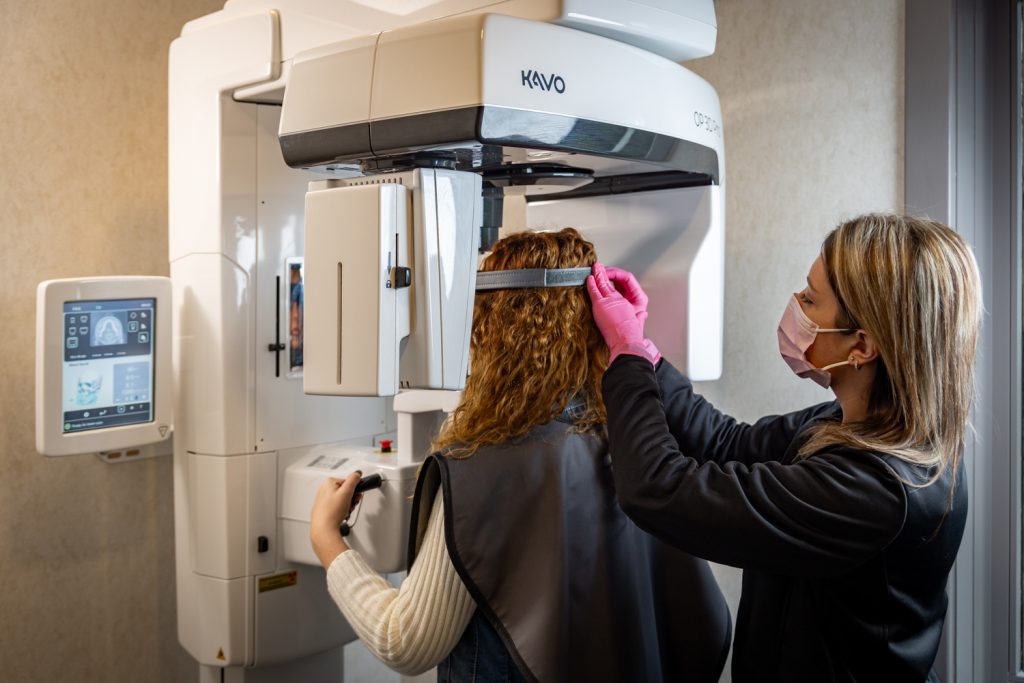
653, 354
644, 349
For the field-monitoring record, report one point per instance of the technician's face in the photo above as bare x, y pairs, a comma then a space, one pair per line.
820, 305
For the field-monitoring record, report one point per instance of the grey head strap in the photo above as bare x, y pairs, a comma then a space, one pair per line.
531, 277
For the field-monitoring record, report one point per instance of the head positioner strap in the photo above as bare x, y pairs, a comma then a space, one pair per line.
531, 277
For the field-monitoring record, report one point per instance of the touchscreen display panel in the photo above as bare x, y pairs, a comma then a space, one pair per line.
107, 375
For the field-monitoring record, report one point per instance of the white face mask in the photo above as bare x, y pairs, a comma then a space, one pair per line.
796, 334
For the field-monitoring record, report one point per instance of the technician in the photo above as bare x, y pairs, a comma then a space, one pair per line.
846, 517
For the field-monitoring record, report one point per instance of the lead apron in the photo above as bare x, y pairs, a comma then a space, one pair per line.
575, 590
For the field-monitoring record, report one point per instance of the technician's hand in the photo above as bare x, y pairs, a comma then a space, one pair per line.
333, 505
626, 284
616, 318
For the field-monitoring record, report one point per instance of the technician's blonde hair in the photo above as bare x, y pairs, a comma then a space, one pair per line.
913, 284
533, 350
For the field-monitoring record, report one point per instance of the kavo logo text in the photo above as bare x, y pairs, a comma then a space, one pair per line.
535, 79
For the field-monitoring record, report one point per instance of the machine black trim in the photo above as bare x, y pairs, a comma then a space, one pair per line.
436, 129
326, 145
474, 137
564, 133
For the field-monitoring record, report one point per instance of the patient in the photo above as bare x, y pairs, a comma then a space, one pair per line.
524, 567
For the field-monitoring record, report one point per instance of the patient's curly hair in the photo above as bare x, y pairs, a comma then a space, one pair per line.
533, 350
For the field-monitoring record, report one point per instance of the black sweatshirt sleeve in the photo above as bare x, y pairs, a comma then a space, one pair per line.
819, 517
708, 435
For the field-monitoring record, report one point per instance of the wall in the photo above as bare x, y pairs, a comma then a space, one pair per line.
86, 548
812, 102
812, 96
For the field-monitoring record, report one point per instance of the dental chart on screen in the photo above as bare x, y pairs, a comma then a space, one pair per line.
107, 373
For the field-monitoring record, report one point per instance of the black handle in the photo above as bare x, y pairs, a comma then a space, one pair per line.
368, 483
372, 481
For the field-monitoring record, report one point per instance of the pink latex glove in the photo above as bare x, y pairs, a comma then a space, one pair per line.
617, 320
625, 283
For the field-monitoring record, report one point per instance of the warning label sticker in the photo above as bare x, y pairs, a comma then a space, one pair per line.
272, 583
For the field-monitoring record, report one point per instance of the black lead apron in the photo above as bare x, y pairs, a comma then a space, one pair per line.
574, 589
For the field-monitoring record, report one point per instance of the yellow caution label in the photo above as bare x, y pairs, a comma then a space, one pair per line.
220, 655
272, 583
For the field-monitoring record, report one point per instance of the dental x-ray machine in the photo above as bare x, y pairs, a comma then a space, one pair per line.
336, 167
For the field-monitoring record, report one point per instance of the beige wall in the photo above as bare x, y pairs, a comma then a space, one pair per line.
86, 548
812, 96
812, 102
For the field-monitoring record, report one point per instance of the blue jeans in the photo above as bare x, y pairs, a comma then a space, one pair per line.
479, 657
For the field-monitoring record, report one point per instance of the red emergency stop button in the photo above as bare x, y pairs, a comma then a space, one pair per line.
385, 445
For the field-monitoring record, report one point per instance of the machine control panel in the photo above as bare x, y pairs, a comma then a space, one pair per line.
103, 364
107, 374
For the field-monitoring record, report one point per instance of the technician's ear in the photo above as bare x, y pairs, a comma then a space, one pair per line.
864, 350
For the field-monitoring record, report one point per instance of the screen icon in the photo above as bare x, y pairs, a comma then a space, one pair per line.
72, 342
143, 337
133, 326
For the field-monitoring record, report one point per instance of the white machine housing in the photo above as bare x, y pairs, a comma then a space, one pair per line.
466, 86
456, 91
382, 536
51, 297
380, 528
247, 134
367, 330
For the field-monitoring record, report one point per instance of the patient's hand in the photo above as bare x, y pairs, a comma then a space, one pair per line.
333, 505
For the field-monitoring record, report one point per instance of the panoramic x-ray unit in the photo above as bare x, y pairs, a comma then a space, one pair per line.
336, 169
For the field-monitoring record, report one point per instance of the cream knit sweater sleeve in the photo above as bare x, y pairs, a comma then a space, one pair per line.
414, 627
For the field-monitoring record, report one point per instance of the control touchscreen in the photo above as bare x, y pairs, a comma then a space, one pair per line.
108, 363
